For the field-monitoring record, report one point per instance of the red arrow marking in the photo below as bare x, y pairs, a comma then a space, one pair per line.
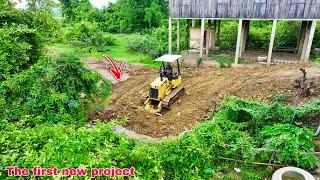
116, 70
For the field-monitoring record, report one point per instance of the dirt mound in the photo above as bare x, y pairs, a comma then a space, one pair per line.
203, 87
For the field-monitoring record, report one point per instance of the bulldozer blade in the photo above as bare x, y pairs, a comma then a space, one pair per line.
172, 97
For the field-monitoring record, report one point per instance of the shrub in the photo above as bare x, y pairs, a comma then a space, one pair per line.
88, 36
19, 48
196, 154
144, 44
22, 35
289, 144
52, 90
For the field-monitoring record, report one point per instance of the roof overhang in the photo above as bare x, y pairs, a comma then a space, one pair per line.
169, 58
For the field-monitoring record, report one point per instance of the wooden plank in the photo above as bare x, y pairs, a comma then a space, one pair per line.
245, 9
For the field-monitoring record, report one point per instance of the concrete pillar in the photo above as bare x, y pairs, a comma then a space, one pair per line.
303, 29
218, 33
236, 60
170, 36
273, 34
208, 42
202, 38
305, 41
246, 29
244, 35
178, 36
193, 23
310, 39
214, 34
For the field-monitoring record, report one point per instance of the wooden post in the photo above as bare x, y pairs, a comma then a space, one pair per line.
236, 60
305, 42
310, 39
302, 36
208, 42
170, 36
202, 38
273, 34
178, 36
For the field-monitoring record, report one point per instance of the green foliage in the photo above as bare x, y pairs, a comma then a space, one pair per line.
48, 28
259, 34
124, 16
64, 146
143, 44
199, 61
225, 62
280, 98
19, 48
22, 34
155, 44
195, 155
228, 39
52, 90
277, 139
289, 144
88, 36
256, 115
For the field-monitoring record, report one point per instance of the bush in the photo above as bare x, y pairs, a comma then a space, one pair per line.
88, 36
52, 90
19, 48
196, 154
22, 36
143, 44
289, 144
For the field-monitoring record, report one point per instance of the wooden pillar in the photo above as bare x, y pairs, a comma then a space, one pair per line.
273, 34
178, 36
302, 36
170, 36
305, 41
310, 39
236, 60
218, 34
193, 23
202, 38
208, 42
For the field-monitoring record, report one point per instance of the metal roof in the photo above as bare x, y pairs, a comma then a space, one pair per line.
169, 58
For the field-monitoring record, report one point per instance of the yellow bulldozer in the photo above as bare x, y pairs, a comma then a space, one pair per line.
166, 89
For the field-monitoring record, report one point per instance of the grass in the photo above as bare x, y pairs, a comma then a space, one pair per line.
118, 51
223, 60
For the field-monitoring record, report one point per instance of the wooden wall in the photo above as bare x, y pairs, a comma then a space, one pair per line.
246, 9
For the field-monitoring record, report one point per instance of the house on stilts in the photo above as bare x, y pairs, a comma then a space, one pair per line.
244, 11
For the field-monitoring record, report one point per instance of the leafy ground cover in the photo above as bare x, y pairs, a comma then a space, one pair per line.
199, 153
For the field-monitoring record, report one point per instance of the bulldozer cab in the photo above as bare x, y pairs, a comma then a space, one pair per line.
167, 68
164, 90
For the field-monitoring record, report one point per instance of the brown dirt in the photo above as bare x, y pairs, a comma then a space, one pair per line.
203, 86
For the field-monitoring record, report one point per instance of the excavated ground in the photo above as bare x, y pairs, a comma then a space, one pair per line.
204, 86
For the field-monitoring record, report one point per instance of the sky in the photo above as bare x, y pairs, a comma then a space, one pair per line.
96, 3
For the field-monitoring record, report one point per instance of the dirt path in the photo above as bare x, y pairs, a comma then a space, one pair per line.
203, 86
